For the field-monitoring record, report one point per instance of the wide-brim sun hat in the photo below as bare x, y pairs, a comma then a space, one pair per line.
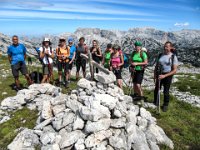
46, 40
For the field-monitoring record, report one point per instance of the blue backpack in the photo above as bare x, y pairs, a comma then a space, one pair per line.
126, 61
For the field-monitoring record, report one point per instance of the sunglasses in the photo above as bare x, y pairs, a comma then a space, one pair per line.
62, 40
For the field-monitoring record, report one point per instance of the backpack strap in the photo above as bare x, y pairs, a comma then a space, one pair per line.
59, 52
159, 56
43, 49
51, 50
172, 58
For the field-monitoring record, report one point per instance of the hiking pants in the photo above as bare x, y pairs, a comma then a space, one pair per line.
166, 83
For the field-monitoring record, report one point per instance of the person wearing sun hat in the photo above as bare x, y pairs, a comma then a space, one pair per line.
138, 60
47, 55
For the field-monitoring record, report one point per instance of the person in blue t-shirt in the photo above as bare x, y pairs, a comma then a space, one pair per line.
72, 55
16, 56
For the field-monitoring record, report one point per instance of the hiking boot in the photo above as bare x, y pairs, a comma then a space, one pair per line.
66, 84
18, 89
60, 84
164, 108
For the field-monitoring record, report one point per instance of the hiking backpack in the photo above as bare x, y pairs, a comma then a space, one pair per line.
172, 58
126, 61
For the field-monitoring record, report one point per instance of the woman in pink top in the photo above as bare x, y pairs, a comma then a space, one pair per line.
116, 62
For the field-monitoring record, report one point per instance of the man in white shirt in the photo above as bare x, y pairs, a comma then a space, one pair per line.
47, 55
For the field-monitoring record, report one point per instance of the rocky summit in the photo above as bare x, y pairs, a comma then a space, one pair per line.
97, 115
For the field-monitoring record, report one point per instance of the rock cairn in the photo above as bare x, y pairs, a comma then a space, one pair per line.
97, 116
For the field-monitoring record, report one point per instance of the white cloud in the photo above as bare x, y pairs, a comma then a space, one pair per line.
28, 15
185, 24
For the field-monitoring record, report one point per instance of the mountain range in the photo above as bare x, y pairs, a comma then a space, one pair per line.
186, 42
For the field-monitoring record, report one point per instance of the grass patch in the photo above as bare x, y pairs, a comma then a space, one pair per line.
189, 84
181, 123
8, 129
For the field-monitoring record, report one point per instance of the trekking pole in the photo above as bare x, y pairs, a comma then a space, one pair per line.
130, 85
158, 72
158, 97
132, 70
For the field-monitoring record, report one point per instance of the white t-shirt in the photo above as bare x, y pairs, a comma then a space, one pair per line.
45, 60
166, 62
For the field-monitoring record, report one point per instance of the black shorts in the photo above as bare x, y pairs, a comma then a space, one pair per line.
19, 67
138, 77
70, 65
63, 65
80, 63
118, 73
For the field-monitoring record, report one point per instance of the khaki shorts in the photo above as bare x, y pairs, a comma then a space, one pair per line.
47, 69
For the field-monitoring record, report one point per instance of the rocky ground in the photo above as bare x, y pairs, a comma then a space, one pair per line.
97, 115
80, 105
148, 84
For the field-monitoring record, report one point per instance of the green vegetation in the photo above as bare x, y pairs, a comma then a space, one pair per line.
189, 83
21, 118
8, 130
181, 123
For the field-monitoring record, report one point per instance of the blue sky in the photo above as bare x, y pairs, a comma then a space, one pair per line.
36, 17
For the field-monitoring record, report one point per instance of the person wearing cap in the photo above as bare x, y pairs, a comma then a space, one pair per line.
138, 61
47, 55
72, 55
81, 48
16, 56
62, 53
116, 63
95, 50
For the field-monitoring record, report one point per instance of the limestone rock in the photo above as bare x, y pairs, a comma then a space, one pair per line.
26, 139
48, 138
70, 138
118, 123
78, 123
83, 83
58, 108
46, 110
97, 138
104, 78
102, 124
92, 114
106, 100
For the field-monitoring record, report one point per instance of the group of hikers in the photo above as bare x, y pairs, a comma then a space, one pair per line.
67, 54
